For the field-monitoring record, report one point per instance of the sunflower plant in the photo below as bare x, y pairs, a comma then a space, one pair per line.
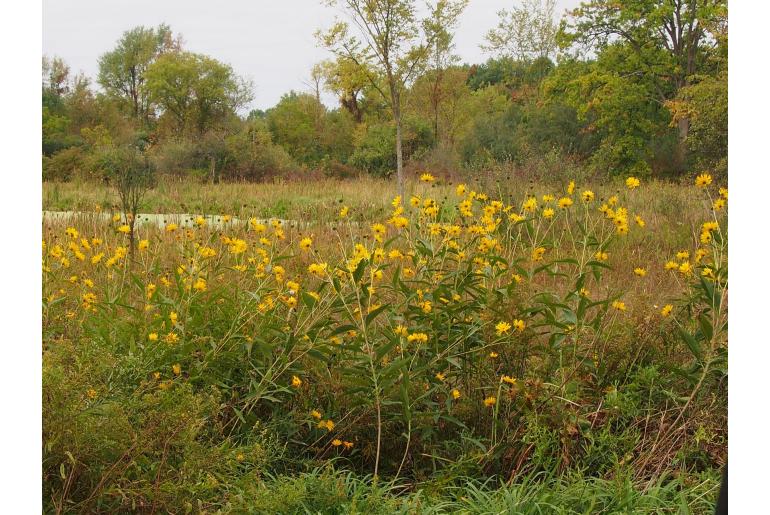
443, 329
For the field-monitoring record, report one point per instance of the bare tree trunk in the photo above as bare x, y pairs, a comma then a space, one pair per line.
435, 123
350, 102
435, 100
131, 235
683, 126
395, 102
399, 155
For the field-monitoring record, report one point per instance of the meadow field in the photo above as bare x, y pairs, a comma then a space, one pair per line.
494, 346
459, 257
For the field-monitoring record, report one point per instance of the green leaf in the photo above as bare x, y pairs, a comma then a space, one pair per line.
371, 316
359, 272
320, 356
556, 339
705, 327
692, 344
341, 329
453, 420
308, 300
384, 349
239, 414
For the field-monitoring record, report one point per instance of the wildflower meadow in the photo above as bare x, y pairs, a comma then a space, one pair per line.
481, 347
392, 256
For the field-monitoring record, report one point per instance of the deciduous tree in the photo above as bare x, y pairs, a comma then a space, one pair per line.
672, 39
439, 27
524, 33
194, 90
347, 79
122, 70
389, 44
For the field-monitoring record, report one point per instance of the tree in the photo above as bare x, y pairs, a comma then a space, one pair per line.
195, 91
615, 104
132, 175
295, 124
374, 144
315, 80
122, 70
445, 106
672, 39
347, 79
253, 153
56, 75
524, 33
389, 47
81, 104
56, 124
704, 104
438, 27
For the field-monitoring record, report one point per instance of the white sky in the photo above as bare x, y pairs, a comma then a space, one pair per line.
269, 41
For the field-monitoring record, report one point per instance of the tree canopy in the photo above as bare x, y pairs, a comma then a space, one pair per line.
122, 70
613, 87
194, 91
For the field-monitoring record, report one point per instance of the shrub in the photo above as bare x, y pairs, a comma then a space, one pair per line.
375, 145
374, 152
64, 165
176, 157
254, 156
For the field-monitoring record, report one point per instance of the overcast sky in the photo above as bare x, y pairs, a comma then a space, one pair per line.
269, 41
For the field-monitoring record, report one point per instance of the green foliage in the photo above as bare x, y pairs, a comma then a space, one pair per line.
615, 109
175, 157
648, 49
194, 92
441, 98
670, 38
512, 74
374, 145
577, 496
638, 88
55, 136
296, 124
255, 156
704, 104
506, 130
113, 443
64, 165
308, 131
56, 74
556, 126
122, 70
338, 492
56, 124
493, 139
248, 154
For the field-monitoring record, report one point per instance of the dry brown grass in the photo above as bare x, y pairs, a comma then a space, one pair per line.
673, 213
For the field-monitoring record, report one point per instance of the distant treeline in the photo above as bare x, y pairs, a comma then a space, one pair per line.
636, 87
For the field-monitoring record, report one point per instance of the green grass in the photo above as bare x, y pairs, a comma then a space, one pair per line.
324, 490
